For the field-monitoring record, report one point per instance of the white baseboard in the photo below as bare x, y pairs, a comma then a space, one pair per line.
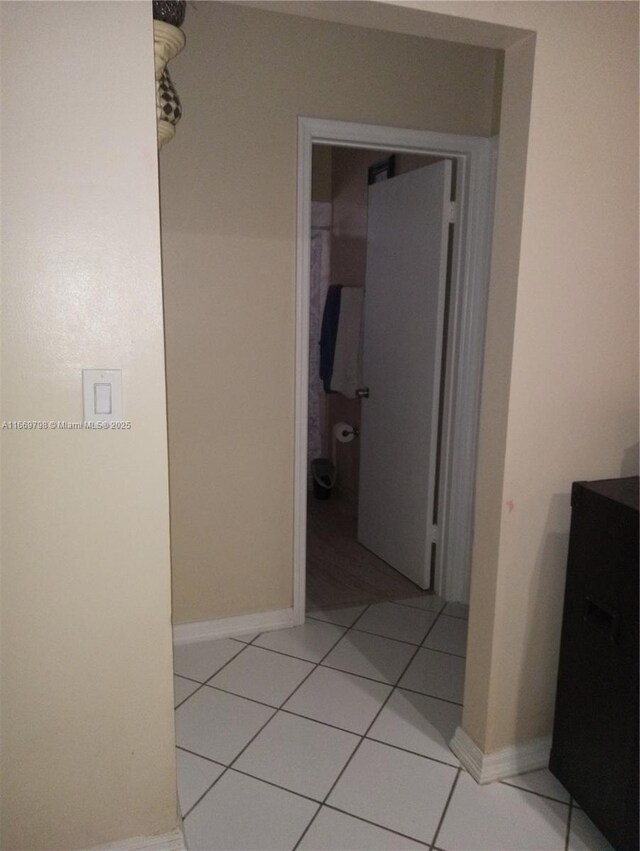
186, 633
488, 767
173, 841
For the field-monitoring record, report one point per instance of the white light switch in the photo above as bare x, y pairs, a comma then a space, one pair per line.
102, 395
102, 400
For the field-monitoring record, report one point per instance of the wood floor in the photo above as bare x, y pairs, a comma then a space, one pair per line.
341, 572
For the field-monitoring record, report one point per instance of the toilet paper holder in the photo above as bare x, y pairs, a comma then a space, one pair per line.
354, 430
345, 433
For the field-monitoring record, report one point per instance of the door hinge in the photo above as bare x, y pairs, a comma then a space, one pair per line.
452, 211
434, 534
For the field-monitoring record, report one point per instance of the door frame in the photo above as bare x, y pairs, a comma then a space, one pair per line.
476, 159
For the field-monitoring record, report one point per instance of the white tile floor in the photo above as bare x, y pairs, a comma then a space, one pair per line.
334, 737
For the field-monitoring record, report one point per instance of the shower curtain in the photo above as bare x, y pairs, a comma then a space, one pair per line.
320, 248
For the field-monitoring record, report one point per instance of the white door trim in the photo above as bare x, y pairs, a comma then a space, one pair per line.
475, 157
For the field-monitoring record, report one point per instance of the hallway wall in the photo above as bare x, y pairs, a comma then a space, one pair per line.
560, 381
87, 706
228, 184
560, 384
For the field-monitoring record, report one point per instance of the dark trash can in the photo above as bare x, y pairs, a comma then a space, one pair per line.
324, 477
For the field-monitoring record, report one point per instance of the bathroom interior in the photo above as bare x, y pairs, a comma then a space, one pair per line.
340, 570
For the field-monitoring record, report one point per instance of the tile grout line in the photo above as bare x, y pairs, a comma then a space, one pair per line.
280, 708
266, 649
446, 807
304, 832
375, 824
422, 609
206, 792
430, 696
317, 721
387, 683
290, 655
568, 830
208, 789
235, 656
444, 652
394, 687
437, 613
411, 643
244, 697
321, 662
276, 785
246, 774
336, 727
440, 611
316, 666
413, 753
307, 828
312, 801
239, 754
353, 733
291, 792
178, 705
356, 629
230, 765
364, 735
533, 791
189, 679
206, 758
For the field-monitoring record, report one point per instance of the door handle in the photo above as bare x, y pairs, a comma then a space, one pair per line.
362, 392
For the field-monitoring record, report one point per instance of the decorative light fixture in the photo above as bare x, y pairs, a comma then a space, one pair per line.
168, 41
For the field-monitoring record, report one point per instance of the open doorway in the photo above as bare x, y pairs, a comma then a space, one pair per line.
339, 555
380, 270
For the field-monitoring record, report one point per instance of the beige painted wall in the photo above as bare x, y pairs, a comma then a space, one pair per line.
87, 720
228, 185
349, 223
560, 390
560, 380
349, 173
321, 173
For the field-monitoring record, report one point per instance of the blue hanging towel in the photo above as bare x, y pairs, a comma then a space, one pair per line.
328, 334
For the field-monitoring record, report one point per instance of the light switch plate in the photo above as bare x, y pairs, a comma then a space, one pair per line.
102, 395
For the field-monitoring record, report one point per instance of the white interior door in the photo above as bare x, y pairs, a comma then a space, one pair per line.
408, 231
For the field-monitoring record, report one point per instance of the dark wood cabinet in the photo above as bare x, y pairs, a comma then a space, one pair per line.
595, 738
